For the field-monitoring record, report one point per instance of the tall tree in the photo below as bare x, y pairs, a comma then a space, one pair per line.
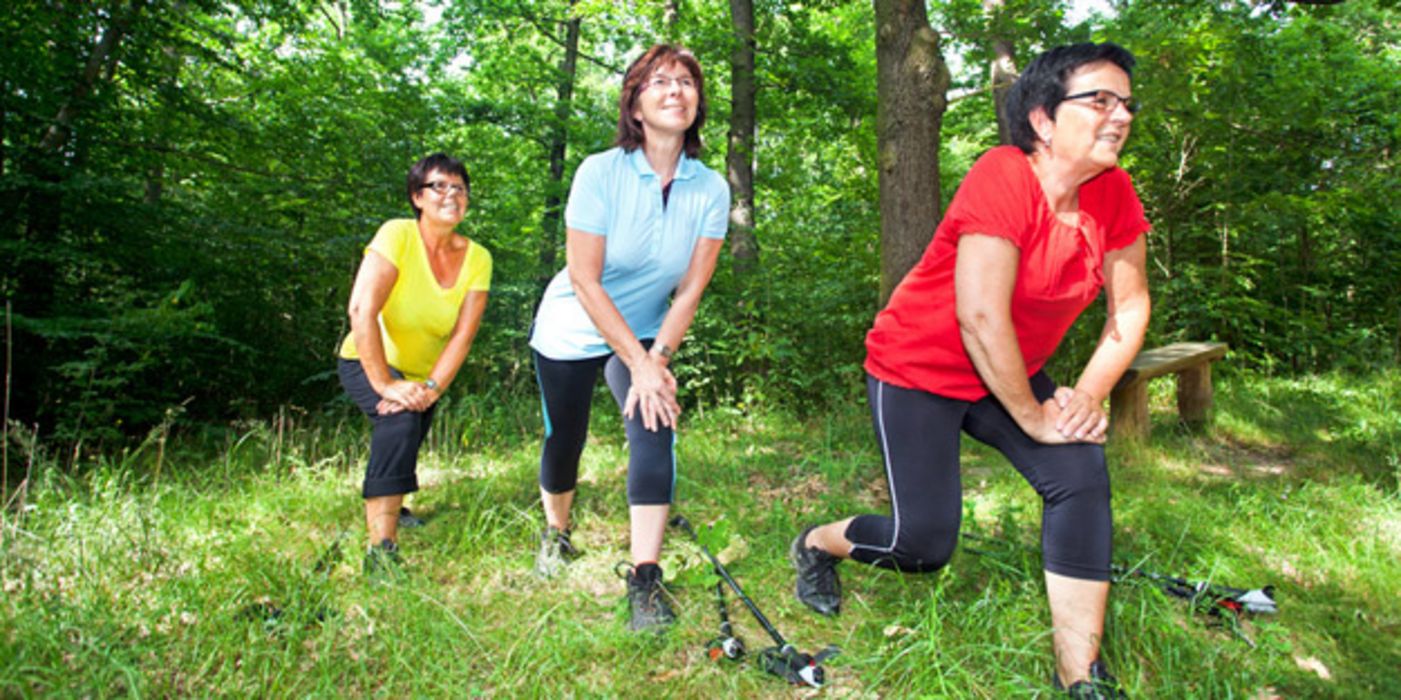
739, 159
911, 80
558, 142
1003, 69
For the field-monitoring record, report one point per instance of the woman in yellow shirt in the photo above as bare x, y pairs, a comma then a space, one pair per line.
416, 305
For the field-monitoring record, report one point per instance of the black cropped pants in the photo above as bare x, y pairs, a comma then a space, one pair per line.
566, 395
918, 433
394, 439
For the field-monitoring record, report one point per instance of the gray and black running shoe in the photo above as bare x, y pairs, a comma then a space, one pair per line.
818, 586
1099, 686
408, 521
382, 562
647, 600
555, 553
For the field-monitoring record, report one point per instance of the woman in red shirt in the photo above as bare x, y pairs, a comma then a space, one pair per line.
1033, 234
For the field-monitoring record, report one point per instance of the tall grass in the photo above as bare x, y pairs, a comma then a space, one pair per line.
237, 572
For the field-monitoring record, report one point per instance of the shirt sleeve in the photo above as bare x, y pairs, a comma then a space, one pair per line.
390, 241
478, 269
717, 215
1129, 221
587, 209
993, 199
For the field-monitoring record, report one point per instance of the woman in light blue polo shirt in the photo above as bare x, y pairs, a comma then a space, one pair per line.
645, 223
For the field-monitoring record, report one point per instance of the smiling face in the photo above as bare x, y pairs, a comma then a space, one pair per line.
1084, 130
667, 103
443, 209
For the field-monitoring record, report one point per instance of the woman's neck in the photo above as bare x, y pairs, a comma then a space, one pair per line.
435, 236
663, 153
1059, 182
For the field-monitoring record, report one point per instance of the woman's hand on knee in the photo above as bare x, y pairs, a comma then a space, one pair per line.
1081, 416
653, 394
411, 395
1043, 428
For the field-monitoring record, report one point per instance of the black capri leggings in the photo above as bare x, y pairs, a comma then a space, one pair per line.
566, 392
918, 433
394, 439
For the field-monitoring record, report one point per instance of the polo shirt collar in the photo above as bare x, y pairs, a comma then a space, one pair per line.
685, 169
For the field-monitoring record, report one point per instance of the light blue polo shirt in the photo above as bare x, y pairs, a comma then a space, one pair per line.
648, 248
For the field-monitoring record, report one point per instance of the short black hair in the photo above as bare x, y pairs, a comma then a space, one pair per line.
1042, 84
441, 162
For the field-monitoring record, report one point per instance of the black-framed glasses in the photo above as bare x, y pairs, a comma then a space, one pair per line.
1105, 101
444, 188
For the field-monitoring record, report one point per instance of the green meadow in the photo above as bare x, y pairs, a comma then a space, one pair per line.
227, 563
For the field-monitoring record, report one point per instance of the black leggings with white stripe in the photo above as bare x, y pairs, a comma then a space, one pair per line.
918, 433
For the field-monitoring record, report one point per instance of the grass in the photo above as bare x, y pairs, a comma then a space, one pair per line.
205, 580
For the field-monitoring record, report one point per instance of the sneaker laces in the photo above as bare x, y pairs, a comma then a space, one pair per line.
821, 574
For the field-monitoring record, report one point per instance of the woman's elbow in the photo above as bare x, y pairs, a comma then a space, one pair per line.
971, 318
359, 312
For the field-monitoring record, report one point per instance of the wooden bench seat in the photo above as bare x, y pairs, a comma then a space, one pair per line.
1128, 402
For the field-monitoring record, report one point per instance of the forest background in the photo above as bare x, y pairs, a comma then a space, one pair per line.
186, 188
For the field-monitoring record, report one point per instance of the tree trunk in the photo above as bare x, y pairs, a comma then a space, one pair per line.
911, 79
1003, 71
44, 164
551, 229
671, 18
739, 160
33, 274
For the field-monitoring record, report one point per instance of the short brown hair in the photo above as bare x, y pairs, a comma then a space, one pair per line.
630, 135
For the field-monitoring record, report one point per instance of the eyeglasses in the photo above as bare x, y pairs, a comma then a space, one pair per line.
662, 82
1105, 101
444, 188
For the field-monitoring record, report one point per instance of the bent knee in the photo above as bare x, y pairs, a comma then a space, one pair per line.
1080, 473
924, 552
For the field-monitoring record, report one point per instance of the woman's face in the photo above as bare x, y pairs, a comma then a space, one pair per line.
446, 208
1092, 128
667, 103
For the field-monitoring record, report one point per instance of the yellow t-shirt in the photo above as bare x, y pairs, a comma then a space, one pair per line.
419, 315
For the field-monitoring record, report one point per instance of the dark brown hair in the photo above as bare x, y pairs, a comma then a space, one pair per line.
630, 135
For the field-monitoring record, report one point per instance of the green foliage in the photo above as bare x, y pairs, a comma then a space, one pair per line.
180, 224
1266, 158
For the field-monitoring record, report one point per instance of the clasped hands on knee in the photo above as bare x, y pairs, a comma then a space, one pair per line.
653, 394
1069, 416
403, 395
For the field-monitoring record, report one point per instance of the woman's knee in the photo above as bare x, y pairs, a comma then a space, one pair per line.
407, 426
928, 552
1079, 473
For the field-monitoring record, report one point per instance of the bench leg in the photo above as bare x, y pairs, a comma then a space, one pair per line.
1194, 395
1128, 411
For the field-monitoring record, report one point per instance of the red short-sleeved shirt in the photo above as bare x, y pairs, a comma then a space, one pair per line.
915, 342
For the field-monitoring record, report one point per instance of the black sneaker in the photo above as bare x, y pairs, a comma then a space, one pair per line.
382, 561
1100, 686
818, 586
647, 599
555, 553
408, 521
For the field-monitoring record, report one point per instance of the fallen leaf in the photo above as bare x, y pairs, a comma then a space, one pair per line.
1313, 664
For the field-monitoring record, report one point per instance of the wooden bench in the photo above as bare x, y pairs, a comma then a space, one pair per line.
1128, 402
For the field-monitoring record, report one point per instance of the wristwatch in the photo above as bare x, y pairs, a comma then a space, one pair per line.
663, 350
430, 384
